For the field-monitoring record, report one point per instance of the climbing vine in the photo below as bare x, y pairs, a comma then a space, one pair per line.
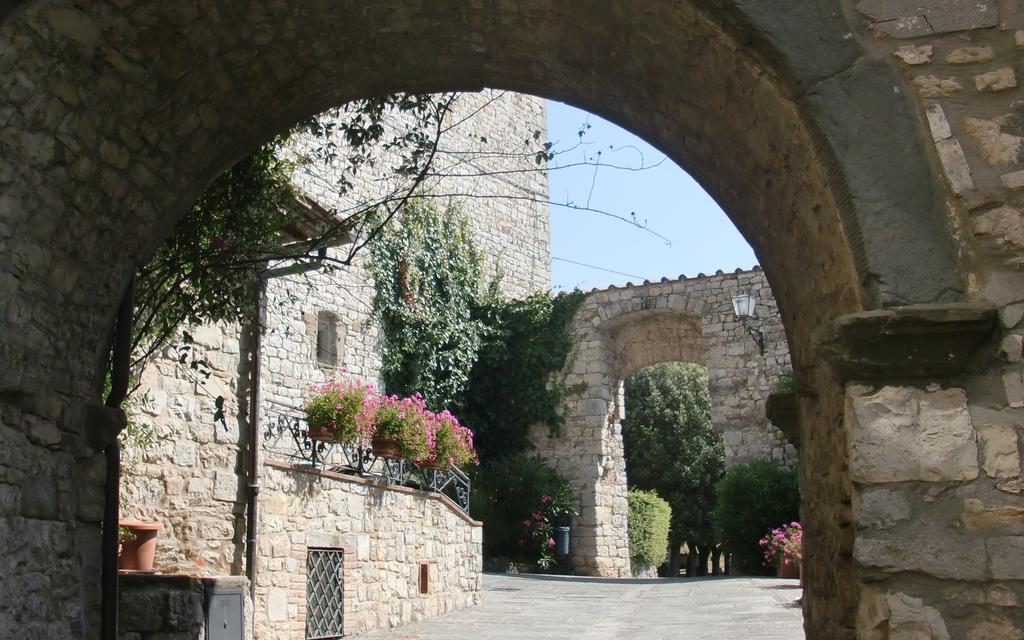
494, 362
428, 280
516, 381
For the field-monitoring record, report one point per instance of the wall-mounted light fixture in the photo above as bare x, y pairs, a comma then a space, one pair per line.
745, 305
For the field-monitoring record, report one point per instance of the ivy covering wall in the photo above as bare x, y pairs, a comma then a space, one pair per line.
449, 335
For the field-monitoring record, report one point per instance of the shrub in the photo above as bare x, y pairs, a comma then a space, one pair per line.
649, 518
520, 501
753, 499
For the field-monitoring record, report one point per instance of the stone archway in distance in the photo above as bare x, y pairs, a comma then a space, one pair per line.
620, 331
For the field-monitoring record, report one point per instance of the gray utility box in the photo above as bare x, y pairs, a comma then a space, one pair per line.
224, 612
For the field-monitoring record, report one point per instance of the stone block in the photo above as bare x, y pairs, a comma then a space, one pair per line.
225, 486
937, 122
185, 610
39, 498
1006, 557
914, 55
994, 81
998, 146
934, 87
915, 18
75, 25
277, 604
10, 499
911, 619
882, 509
977, 516
1013, 385
184, 453
153, 402
951, 557
198, 486
1012, 348
900, 434
1000, 454
1013, 180
140, 611
954, 163
970, 55
1015, 486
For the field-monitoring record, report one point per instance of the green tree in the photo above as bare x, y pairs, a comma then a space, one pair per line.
753, 499
671, 448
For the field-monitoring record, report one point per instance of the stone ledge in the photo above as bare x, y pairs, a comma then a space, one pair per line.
440, 497
914, 341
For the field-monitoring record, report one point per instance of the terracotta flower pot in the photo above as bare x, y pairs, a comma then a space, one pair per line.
319, 433
788, 568
138, 552
385, 447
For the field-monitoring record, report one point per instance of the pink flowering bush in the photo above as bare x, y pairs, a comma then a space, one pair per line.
339, 408
408, 422
537, 537
356, 413
453, 442
783, 542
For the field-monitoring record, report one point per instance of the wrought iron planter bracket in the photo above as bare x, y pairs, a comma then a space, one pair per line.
287, 423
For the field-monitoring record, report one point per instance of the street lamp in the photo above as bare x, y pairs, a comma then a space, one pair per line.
744, 305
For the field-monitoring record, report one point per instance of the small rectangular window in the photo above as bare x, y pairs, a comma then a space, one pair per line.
327, 338
424, 577
325, 590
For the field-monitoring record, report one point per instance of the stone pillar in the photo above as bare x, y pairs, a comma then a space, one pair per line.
587, 451
933, 419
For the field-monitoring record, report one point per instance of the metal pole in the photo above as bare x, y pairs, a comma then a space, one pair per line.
119, 380
253, 485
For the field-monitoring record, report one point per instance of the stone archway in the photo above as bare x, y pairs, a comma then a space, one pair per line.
618, 332
117, 113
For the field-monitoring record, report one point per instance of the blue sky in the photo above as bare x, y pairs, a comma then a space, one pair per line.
664, 198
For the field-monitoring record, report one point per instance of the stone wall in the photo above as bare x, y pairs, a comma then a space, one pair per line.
386, 534
189, 478
938, 508
622, 330
936, 464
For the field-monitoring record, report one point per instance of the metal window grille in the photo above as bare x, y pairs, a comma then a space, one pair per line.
325, 587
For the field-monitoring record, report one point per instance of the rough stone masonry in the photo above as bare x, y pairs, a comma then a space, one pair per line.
867, 149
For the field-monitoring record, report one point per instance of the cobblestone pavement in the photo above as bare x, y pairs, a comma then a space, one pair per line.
541, 607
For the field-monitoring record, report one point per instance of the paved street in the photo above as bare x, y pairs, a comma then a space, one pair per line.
540, 607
